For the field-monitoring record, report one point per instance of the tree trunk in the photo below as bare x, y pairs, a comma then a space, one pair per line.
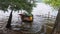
9, 21
56, 28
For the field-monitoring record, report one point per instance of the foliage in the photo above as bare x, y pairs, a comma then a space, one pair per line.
17, 5
3, 5
54, 3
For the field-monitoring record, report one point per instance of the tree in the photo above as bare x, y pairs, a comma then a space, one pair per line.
15, 5
19, 5
56, 5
